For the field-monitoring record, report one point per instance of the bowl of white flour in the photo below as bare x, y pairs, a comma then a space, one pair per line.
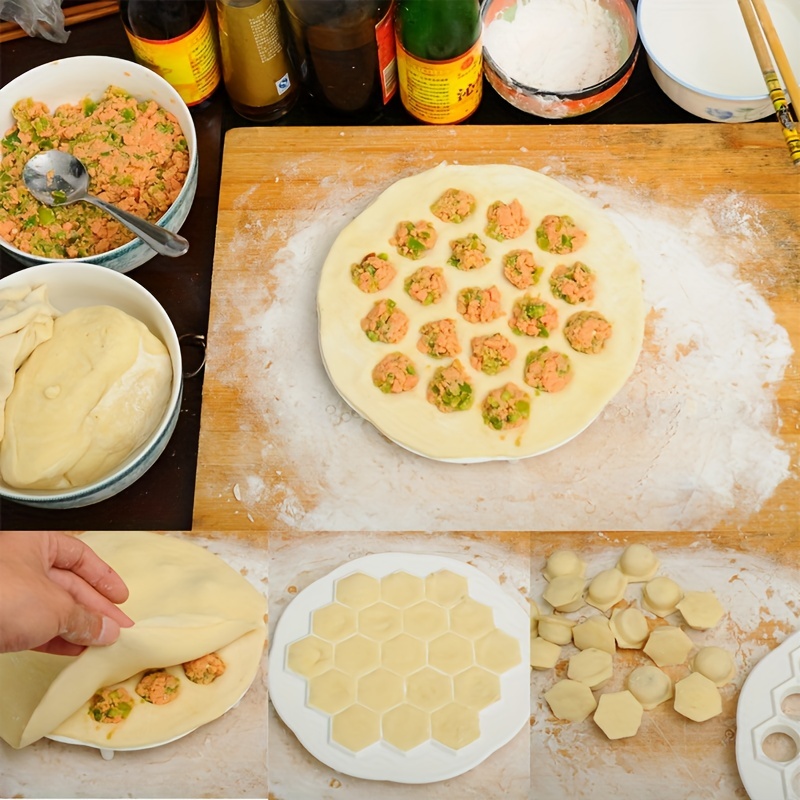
559, 58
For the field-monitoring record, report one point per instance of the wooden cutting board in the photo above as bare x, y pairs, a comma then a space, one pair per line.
271, 176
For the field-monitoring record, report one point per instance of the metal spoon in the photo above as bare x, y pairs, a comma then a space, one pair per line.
57, 178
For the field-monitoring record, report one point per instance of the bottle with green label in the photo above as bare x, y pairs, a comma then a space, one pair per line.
439, 58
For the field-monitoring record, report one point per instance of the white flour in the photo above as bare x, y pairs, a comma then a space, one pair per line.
690, 441
556, 45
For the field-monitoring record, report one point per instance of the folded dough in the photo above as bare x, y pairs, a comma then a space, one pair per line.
185, 602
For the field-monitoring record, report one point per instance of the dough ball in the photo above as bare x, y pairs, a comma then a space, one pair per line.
629, 627
650, 686
571, 700
84, 400
701, 610
591, 666
668, 646
564, 562
715, 663
697, 698
594, 632
661, 596
544, 654
606, 589
565, 593
619, 714
555, 629
638, 563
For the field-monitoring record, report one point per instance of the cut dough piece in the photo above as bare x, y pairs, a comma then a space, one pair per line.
356, 728
564, 562
701, 610
358, 590
571, 700
334, 622
591, 666
401, 589
606, 589
594, 632
638, 563
565, 593
629, 627
661, 596
619, 714
715, 663
668, 646
556, 629
650, 686
417, 424
697, 698
429, 689
544, 654
406, 727
455, 726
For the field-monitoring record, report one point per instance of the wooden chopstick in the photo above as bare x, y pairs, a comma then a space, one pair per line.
83, 12
778, 53
788, 126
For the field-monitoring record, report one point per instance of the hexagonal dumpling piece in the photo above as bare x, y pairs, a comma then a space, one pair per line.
332, 691
638, 563
476, 688
471, 619
380, 621
544, 654
650, 686
565, 593
571, 700
357, 655
334, 622
455, 726
406, 727
380, 690
450, 653
563, 562
606, 589
715, 663
309, 656
425, 620
594, 632
446, 588
661, 596
404, 654
668, 646
497, 651
358, 590
701, 610
619, 714
697, 698
630, 628
591, 666
556, 629
356, 728
429, 689
401, 589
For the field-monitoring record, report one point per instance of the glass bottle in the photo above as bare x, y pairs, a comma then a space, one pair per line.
259, 78
346, 51
439, 58
176, 39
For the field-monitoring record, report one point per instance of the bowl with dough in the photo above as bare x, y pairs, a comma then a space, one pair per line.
559, 58
91, 381
135, 136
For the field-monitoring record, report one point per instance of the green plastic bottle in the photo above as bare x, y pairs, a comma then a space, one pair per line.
439, 58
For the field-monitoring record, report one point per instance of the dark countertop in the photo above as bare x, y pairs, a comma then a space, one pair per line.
162, 499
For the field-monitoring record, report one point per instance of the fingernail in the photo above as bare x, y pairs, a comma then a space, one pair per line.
109, 633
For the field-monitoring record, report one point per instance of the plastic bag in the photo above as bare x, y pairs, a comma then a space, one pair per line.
43, 18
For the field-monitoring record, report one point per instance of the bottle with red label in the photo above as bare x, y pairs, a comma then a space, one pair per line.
346, 51
176, 39
439, 58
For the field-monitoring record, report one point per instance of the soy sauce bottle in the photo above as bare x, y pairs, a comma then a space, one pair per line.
439, 58
177, 40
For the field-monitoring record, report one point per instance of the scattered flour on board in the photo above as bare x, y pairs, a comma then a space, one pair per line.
691, 439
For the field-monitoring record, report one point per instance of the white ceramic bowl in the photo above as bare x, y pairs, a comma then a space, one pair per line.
69, 80
73, 284
702, 59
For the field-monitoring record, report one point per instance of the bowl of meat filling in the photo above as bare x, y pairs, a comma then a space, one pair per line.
134, 134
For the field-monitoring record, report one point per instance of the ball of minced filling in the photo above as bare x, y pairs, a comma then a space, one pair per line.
84, 400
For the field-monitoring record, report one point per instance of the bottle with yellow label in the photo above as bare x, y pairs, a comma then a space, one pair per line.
176, 39
439, 58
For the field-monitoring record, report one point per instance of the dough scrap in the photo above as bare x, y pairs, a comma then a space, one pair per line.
697, 698
650, 686
619, 714
701, 610
570, 700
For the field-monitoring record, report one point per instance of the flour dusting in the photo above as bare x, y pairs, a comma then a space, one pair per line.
690, 441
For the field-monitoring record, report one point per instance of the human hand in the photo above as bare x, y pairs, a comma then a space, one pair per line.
56, 594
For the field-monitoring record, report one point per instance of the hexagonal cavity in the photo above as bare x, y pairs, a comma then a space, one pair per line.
619, 714
455, 726
403, 655
357, 655
775, 743
402, 590
446, 588
332, 691
309, 656
697, 698
356, 728
471, 619
406, 727
497, 651
358, 590
476, 688
380, 690
425, 620
668, 646
786, 699
429, 689
450, 653
380, 621
334, 622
